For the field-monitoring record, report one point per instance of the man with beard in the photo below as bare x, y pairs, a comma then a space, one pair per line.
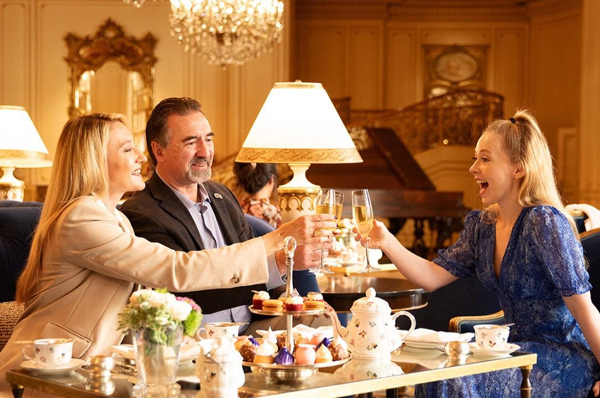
182, 209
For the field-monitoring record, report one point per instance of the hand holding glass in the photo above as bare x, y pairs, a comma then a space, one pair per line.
328, 201
362, 212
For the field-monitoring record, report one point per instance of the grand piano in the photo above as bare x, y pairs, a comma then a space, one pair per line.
399, 188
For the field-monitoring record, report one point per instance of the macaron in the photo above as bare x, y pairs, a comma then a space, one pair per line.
272, 305
310, 305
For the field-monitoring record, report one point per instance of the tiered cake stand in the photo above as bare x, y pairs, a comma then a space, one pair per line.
293, 372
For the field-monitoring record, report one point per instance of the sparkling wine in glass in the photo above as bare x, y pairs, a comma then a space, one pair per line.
328, 201
362, 212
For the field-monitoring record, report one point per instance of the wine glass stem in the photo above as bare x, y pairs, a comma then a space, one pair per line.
367, 255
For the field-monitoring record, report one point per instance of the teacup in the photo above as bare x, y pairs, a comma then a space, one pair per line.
491, 337
50, 353
215, 330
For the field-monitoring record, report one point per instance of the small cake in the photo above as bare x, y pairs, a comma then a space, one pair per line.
271, 338
258, 298
294, 303
324, 341
323, 355
314, 296
265, 353
338, 351
272, 305
284, 357
281, 340
248, 351
305, 354
240, 341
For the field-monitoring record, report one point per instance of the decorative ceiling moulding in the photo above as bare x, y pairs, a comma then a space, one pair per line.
342, 9
465, 10
537, 8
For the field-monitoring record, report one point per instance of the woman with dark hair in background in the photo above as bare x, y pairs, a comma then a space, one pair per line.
258, 180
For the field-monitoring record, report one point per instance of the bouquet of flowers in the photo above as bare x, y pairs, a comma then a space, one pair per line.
156, 311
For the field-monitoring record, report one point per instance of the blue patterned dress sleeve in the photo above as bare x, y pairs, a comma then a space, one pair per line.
542, 264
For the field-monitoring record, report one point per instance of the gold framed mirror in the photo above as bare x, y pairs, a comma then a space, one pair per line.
114, 73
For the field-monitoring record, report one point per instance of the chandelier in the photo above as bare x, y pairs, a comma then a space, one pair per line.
225, 32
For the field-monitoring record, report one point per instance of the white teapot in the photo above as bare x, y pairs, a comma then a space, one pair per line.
219, 368
371, 333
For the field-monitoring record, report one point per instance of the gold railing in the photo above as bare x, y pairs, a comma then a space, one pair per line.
456, 118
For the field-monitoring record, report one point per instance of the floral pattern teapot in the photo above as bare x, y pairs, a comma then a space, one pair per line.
371, 333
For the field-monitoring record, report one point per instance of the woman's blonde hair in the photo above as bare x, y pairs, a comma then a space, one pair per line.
527, 147
80, 169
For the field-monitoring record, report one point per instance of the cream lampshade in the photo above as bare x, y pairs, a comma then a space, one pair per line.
298, 125
20, 146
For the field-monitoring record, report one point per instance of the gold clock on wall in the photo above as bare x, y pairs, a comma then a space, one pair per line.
454, 67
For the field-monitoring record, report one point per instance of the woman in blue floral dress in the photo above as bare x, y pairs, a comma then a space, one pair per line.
523, 246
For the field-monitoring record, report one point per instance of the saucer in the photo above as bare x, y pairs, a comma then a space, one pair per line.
71, 366
502, 352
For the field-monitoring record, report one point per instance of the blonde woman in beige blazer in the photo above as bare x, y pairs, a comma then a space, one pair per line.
85, 259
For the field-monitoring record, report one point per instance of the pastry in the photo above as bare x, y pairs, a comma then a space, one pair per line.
258, 298
272, 305
271, 338
248, 351
305, 354
284, 357
240, 341
281, 340
314, 296
323, 355
294, 303
264, 353
310, 305
338, 351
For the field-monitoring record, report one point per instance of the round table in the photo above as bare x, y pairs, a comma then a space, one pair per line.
341, 292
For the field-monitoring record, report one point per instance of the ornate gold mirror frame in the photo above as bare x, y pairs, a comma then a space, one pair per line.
110, 43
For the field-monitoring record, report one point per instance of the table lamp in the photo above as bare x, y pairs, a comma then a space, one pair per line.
298, 125
20, 146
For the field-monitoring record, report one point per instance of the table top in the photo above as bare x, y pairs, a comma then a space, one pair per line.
415, 367
341, 291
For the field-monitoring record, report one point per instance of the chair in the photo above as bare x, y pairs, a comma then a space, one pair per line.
16, 232
10, 312
466, 297
590, 241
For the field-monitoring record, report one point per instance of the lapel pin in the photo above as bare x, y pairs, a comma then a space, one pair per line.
218, 195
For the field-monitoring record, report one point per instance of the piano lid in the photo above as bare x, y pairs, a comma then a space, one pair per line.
387, 164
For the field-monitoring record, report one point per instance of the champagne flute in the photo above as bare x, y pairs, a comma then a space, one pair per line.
362, 212
328, 201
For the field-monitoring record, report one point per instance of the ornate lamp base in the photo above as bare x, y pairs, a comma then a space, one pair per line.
296, 198
10, 187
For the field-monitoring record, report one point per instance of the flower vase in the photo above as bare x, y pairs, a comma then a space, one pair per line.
157, 361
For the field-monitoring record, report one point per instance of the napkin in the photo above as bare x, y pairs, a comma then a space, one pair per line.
423, 335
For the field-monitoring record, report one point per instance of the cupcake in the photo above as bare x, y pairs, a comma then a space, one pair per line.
314, 296
323, 355
294, 303
265, 353
258, 298
272, 306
